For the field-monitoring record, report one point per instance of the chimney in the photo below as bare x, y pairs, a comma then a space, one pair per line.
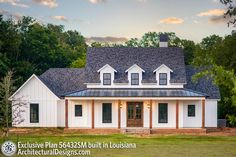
163, 40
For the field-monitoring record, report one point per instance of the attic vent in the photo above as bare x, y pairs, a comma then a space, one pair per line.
163, 40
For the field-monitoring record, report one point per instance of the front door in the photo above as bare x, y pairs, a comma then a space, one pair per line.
134, 114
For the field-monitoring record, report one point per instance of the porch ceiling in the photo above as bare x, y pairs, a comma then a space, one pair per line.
136, 93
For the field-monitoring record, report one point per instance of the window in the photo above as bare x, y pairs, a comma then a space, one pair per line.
78, 110
163, 113
191, 110
163, 79
134, 79
34, 113
106, 113
106, 79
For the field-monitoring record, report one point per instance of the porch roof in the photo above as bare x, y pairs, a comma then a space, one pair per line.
136, 93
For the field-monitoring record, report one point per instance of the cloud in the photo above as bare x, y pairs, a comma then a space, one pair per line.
172, 20
14, 3
97, 1
15, 16
218, 20
47, 3
59, 17
213, 12
108, 39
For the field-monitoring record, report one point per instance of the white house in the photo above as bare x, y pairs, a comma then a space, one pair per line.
122, 88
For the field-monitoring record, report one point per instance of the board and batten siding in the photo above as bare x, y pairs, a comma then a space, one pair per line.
34, 91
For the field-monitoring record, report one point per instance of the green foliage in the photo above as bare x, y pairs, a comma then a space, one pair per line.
232, 120
29, 47
216, 58
6, 90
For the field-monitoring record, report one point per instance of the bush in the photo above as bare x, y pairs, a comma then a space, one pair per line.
232, 120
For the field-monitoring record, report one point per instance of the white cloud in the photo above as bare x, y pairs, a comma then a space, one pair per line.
97, 1
59, 17
212, 12
14, 3
172, 20
47, 3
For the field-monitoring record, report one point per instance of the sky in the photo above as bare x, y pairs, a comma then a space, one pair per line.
118, 20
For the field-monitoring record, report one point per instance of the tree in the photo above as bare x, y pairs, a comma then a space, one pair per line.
9, 113
215, 57
151, 39
231, 11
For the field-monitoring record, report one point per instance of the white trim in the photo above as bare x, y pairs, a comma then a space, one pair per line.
163, 65
135, 98
107, 65
134, 66
33, 76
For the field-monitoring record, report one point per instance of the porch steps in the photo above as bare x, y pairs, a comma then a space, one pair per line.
144, 131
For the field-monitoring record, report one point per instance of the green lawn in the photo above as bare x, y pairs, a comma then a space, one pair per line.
150, 146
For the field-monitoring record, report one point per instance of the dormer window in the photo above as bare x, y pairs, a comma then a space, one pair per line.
106, 78
162, 78
134, 78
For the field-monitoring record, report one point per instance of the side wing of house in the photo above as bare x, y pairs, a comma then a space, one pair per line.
42, 105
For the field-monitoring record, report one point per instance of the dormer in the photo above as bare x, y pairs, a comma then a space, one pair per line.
163, 75
107, 75
135, 75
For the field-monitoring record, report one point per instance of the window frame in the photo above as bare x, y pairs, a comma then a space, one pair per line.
134, 79
34, 115
104, 115
160, 120
105, 79
194, 110
162, 78
79, 112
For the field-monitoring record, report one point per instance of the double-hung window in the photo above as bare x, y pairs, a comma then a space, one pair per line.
163, 113
107, 79
163, 79
191, 110
134, 79
78, 110
107, 113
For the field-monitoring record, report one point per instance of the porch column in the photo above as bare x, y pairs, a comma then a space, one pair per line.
119, 105
203, 113
150, 114
92, 114
177, 114
66, 113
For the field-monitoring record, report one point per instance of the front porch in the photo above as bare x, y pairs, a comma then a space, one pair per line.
135, 113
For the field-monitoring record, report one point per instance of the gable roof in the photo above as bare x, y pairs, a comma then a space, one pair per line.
64, 80
135, 65
31, 77
124, 57
203, 85
107, 65
163, 65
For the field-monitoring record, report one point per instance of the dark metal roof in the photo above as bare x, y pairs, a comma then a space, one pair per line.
136, 93
64, 80
204, 85
123, 58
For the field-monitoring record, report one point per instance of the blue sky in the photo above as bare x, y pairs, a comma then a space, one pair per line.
190, 19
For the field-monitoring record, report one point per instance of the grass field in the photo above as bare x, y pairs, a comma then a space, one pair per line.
148, 146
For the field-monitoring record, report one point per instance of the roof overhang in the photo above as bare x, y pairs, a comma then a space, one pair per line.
105, 66
126, 93
135, 65
33, 76
162, 66
135, 98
